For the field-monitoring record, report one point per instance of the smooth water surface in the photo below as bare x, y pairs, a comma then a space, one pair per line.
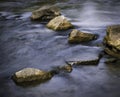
24, 43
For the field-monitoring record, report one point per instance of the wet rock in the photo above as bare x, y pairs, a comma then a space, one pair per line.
85, 62
111, 60
59, 23
30, 75
111, 51
82, 55
45, 13
112, 41
66, 69
78, 36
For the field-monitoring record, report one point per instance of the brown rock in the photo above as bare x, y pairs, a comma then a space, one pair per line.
67, 68
112, 41
62, 69
59, 23
30, 75
78, 36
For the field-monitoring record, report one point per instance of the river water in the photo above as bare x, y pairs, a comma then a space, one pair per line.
24, 43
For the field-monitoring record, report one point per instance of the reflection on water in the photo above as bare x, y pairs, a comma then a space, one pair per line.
24, 43
94, 14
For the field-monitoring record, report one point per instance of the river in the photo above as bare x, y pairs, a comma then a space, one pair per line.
24, 43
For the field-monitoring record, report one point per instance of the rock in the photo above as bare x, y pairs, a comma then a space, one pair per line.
85, 62
112, 41
111, 60
81, 55
59, 23
66, 69
78, 36
111, 52
30, 75
45, 13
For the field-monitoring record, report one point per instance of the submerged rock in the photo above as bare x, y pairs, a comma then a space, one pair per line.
59, 23
30, 75
45, 13
78, 36
66, 69
112, 41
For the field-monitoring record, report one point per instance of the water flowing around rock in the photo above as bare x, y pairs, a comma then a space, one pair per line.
25, 43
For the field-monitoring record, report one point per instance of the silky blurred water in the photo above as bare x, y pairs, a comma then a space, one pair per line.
24, 43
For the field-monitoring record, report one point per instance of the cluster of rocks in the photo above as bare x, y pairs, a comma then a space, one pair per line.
58, 22
28, 76
53, 16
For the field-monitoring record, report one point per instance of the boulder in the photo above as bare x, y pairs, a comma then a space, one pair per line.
78, 36
112, 41
45, 13
30, 75
59, 23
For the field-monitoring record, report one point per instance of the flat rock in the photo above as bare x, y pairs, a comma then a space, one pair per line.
85, 62
82, 55
78, 36
45, 13
59, 23
30, 75
112, 41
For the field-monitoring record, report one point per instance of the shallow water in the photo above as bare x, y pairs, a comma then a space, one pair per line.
24, 43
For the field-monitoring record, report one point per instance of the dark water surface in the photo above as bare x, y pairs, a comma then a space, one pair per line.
24, 43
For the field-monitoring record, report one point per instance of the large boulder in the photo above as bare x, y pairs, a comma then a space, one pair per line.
78, 36
112, 41
45, 13
30, 75
59, 23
